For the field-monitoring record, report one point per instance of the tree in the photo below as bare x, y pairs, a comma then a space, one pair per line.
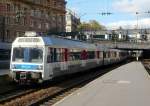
92, 25
83, 27
95, 26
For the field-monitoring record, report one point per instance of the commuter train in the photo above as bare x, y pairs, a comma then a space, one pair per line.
39, 58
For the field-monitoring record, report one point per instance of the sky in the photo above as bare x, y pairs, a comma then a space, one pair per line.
123, 12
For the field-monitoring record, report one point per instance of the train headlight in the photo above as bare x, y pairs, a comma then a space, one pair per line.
40, 67
13, 66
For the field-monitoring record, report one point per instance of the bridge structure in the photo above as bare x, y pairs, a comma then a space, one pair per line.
136, 49
125, 45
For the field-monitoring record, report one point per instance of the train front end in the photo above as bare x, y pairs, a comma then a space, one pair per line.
27, 60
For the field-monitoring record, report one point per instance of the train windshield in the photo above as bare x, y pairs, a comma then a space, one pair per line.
32, 55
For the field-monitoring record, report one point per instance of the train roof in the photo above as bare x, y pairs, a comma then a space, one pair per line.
52, 41
67, 43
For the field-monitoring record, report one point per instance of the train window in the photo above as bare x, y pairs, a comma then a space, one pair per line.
54, 55
50, 55
34, 55
109, 54
57, 55
115, 54
71, 58
75, 54
18, 54
106, 54
91, 54
112, 54
100, 54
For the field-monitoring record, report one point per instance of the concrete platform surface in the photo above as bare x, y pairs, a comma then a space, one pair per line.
128, 85
4, 72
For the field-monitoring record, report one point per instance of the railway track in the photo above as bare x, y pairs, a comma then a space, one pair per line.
14, 93
146, 63
49, 95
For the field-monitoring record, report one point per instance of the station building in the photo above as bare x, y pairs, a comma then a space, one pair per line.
18, 16
72, 21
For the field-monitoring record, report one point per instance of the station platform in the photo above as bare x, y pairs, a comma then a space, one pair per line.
4, 72
128, 85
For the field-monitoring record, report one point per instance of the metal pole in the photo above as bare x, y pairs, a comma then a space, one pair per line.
137, 19
137, 25
137, 58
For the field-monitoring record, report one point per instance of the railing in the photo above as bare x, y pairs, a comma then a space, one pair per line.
126, 45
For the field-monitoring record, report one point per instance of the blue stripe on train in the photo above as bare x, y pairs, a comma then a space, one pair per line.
26, 66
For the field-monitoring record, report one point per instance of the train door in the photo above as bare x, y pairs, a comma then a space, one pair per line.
100, 58
64, 59
105, 54
49, 68
118, 56
97, 57
109, 56
84, 56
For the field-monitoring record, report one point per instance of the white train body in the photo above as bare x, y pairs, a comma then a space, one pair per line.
43, 58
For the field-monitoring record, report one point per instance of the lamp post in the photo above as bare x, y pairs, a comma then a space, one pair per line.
137, 13
137, 25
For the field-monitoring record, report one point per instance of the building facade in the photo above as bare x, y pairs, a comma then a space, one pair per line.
18, 16
72, 21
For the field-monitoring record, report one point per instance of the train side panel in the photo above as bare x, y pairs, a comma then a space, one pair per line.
60, 61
